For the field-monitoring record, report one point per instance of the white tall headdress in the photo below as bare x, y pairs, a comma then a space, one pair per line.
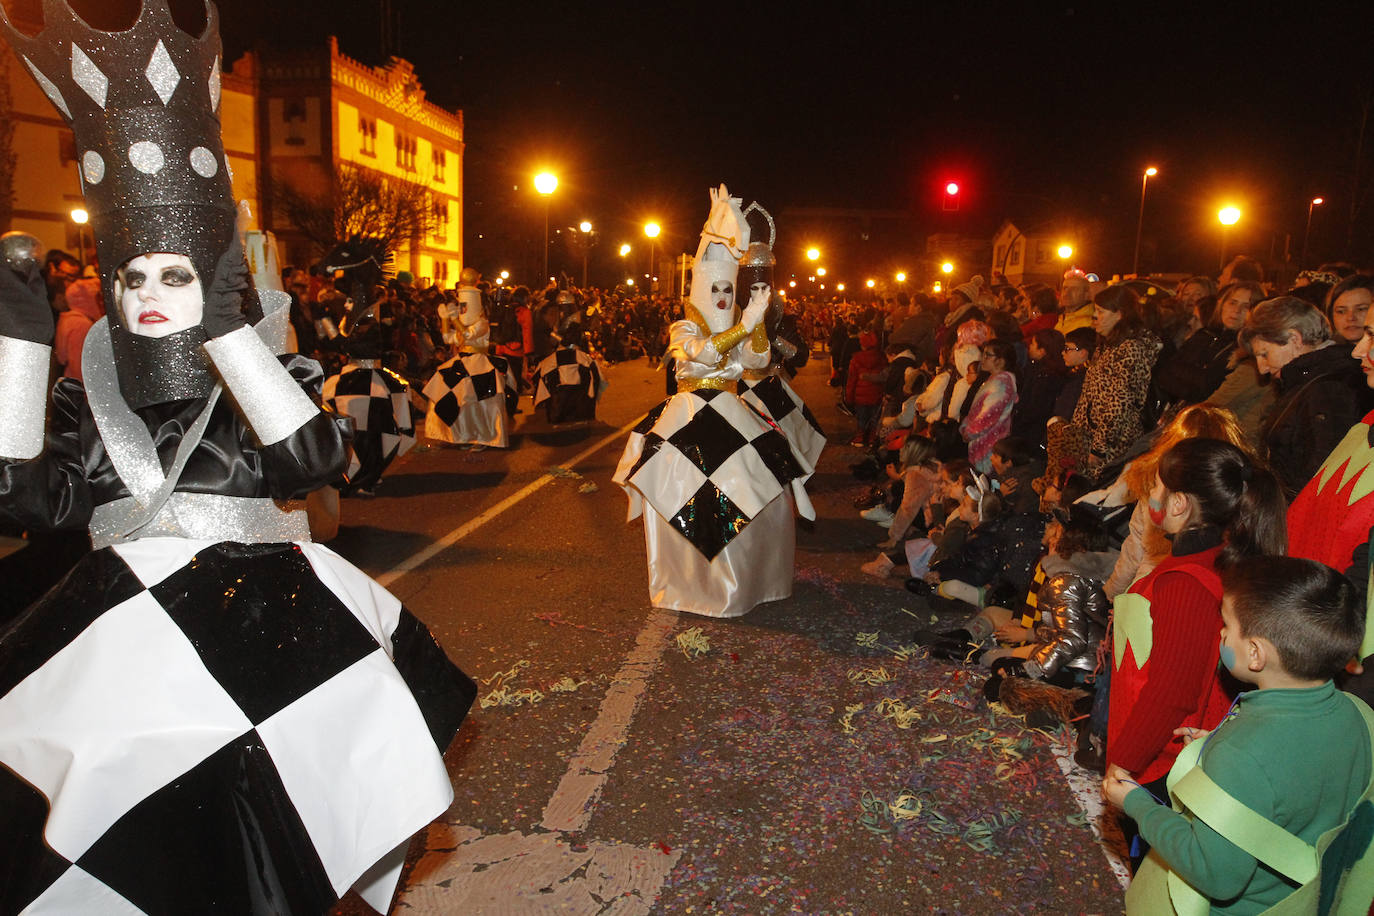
724, 240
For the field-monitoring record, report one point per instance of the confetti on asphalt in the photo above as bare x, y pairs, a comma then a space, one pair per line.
870, 676
847, 720
566, 685
693, 642
566, 473
588, 487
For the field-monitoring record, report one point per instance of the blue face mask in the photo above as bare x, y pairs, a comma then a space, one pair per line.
1228, 657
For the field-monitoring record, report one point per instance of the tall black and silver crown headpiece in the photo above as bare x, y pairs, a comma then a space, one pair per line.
759, 258
144, 107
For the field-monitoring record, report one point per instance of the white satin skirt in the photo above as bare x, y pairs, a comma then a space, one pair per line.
756, 566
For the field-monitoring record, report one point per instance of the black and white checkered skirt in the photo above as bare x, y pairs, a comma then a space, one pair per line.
777, 400
378, 401
569, 383
467, 400
198, 727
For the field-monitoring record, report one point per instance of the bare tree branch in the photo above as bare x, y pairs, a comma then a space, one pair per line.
363, 203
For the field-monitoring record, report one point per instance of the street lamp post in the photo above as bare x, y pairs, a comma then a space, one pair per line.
1314, 202
585, 227
81, 218
1140, 220
651, 229
1228, 217
546, 183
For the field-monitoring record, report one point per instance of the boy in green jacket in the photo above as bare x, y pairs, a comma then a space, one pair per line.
1296, 751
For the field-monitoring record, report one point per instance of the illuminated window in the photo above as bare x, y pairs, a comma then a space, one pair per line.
367, 129
439, 159
406, 148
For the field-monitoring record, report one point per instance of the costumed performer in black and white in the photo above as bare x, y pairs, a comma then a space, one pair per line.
569, 380
714, 479
365, 390
467, 394
767, 388
209, 713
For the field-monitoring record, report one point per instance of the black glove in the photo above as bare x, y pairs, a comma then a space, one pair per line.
224, 298
1010, 667
24, 310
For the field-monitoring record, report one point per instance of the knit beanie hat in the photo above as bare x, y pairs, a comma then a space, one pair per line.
972, 288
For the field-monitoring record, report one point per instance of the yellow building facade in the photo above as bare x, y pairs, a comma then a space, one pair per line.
284, 117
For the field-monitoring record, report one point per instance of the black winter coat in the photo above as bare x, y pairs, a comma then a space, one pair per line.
1192, 373
1321, 395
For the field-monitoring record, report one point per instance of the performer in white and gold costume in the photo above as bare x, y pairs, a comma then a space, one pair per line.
715, 479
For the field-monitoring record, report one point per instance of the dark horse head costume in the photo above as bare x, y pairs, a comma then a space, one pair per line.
363, 264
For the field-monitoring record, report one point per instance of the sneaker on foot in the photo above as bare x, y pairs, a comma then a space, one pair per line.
879, 568
880, 515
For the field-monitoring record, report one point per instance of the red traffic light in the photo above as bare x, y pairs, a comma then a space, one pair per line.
951, 199
952, 188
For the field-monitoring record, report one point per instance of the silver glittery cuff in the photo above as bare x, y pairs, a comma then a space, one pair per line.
24, 394
271, 401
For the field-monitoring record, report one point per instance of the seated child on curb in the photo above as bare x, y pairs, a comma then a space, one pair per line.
926, 486
1056, 633
1295, 751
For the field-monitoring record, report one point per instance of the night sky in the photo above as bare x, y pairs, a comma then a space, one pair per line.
1037, 109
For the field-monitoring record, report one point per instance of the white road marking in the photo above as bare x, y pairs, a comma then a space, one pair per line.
457, 534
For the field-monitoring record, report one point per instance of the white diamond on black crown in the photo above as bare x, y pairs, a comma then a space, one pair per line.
141, 101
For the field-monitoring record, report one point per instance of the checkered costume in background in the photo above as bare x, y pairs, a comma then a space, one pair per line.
569, 384
378, 401
777, 400
467, 400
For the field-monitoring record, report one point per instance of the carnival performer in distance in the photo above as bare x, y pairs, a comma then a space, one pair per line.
767, 388
467, 394
209, 713
714, 479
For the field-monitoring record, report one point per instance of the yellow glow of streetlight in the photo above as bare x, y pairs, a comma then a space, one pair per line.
820, 271
813, 254
545, 182
629, 281
585, 226
937, 287
946, 268
81, 217
500, 280
1152, 171
1316, 202
791, 283
1229, 216
901, 276
624, 249
1066, 251
505, 275
651, 230
870, 283
839, 287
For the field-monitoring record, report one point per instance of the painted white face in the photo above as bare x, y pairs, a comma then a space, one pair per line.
160, 294
1348, 313
469, 306
759, 286
723, 295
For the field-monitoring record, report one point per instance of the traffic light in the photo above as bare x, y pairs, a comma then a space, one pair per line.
951, 201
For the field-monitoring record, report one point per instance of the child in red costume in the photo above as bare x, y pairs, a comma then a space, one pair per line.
1217, 507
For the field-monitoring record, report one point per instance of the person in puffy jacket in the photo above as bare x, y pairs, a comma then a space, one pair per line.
863, 389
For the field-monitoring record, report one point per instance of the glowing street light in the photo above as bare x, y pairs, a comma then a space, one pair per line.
936, 287
546, 183
629, 281
901, 276
1314, 202
585, 227
1228, 216
624, 249
505, 275
651, 229
839, 287
870, 283
1065, 252
813, 254
1140, 220
81, 218
792, 284
947, 268
820, 271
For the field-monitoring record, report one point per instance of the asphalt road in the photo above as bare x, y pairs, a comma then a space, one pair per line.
802, 762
